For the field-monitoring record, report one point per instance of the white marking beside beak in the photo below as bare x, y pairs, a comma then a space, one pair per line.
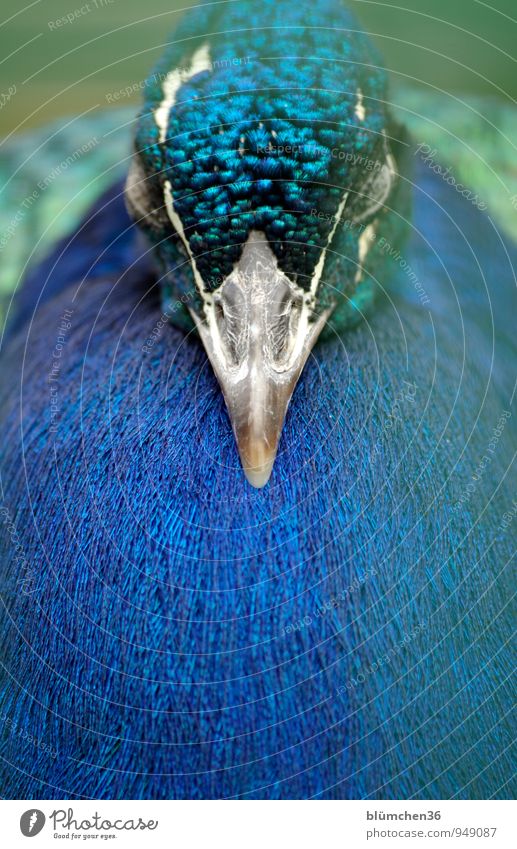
365, 242
178, 226
173, 82
318, 269
360, 111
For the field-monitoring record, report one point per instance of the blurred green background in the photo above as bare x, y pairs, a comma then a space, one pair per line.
457, 45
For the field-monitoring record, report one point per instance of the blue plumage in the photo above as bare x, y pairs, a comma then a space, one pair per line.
170, 632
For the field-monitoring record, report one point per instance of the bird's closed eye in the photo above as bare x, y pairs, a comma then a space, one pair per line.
372, 193
144, 198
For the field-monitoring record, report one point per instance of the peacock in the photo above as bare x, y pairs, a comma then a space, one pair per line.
257, 428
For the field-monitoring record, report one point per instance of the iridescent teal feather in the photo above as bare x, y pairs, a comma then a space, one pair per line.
471, 134
269, 135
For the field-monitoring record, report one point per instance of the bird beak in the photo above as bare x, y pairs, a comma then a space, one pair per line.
258, 332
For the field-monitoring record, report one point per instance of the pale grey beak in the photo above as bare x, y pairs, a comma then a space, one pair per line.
258, 331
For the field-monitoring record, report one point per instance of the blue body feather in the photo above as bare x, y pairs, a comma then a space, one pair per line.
342, 633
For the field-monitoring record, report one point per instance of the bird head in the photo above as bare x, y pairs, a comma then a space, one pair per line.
262, 166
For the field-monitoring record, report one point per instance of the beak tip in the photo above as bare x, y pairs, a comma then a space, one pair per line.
257, 462
259, 475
